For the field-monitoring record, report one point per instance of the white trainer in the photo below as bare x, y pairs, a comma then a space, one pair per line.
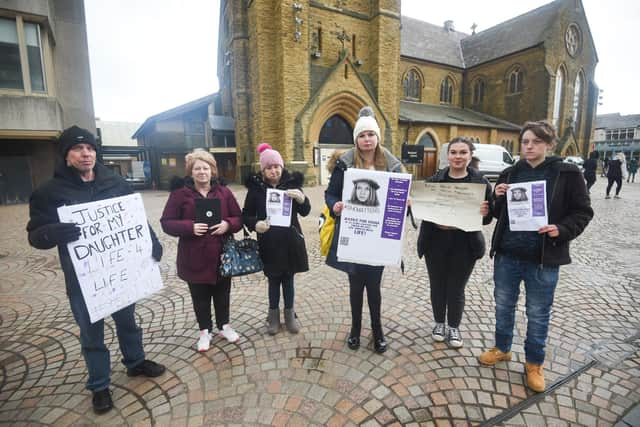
228, 333
204, 341
438, 333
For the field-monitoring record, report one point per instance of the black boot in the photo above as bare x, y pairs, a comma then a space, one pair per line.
354, 339
379, 343
101, 401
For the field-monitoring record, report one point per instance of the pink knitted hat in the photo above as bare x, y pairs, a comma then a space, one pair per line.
269, 156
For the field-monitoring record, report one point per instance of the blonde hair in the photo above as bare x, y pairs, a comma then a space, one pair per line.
379, 161
205, 156
620, 156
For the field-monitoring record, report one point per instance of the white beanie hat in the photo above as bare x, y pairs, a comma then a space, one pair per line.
366, 122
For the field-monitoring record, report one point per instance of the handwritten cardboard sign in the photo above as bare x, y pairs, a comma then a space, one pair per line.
451, 204
112, 258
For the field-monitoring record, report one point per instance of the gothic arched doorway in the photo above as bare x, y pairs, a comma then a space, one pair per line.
336, 130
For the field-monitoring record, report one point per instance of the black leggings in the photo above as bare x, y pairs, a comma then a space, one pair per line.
368, 278
618, 182
202, 294
449, 264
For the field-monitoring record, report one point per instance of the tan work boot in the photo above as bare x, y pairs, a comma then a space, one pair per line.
535, 377
493, 356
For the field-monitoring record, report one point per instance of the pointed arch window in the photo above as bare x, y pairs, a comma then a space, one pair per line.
427, 141
478, 92
577, 93
446, 90
411, 85
516, 78
557, 99
336, 130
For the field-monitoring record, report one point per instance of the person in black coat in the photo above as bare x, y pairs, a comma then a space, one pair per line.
282, 249
616, 170
79, 179
367, 153
590, 167
534, 257
451, 253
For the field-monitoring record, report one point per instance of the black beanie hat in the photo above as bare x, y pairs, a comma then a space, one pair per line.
72, 136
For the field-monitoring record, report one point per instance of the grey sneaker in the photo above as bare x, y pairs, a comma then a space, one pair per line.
438, 333
454, 339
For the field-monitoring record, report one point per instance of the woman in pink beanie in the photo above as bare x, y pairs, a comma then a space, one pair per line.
282, 249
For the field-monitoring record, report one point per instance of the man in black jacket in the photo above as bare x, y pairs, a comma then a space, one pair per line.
79, 179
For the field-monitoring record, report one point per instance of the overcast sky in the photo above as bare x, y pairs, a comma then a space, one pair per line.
148, 56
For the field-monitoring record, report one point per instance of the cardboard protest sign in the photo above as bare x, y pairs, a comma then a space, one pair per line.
372, 221
112, 258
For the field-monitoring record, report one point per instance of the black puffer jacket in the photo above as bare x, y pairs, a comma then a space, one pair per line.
66, 188
568, 205
280, 248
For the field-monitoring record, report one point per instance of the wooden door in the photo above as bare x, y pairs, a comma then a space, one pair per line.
428, 164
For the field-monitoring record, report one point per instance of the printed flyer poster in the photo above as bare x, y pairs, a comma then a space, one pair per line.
527, 205
372, 221
279, 207
112, 258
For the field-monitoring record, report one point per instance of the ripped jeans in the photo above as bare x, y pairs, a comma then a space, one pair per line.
540, 285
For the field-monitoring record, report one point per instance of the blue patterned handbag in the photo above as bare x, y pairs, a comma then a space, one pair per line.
240, 257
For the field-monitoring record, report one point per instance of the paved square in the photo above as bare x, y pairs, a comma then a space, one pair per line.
312, 377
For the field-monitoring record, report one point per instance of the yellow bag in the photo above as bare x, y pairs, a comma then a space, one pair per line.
326, 226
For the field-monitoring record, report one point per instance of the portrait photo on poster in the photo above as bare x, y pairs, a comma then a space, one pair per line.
518, 194
365, 192
274, 197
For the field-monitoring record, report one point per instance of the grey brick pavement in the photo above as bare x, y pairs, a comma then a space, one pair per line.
313, 378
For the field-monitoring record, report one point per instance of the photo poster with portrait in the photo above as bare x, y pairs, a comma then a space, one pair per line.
527, 205
112, 257
372, 221
279, 207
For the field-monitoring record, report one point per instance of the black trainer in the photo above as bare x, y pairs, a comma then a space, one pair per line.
353, 343
147, 368
101, 401
380, 345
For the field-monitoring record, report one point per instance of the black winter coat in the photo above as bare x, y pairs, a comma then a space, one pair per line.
476, 238
67, 188
568, 204
282, 249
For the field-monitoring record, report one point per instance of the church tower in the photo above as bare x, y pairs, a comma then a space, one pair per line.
295, 74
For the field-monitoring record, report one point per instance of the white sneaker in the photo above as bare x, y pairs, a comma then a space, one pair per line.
204, 341
438, 333
454, 339
228, 333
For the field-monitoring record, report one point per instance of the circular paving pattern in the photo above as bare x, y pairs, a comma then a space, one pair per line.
313, 378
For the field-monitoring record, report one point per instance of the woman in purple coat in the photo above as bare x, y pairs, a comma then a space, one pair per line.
200, 245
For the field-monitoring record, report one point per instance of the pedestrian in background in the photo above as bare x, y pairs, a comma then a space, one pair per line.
367, 153
200, 245
282, 249
590, 167
78, 178
451, 253
632, 169
616, 172
534, 256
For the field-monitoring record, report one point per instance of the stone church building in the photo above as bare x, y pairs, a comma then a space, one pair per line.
295, 74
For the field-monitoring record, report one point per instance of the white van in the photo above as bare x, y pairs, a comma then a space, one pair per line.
493, 159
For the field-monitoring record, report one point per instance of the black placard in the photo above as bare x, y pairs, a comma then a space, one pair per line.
208, 211
412, 153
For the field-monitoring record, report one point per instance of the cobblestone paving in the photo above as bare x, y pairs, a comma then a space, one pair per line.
313, 378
